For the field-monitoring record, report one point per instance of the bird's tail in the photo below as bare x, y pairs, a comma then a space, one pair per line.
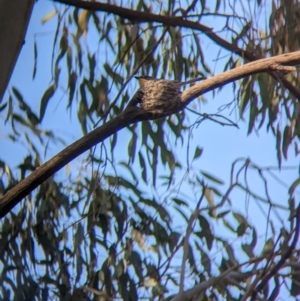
191, 81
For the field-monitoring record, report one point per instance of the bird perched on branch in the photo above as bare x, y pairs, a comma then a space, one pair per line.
159, 96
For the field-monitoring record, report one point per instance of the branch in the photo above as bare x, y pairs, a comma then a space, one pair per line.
139, 16
201, 287
130, 115
45, 171
263, 65
228, 276
282, 260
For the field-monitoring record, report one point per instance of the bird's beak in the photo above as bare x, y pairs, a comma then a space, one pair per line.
141, 80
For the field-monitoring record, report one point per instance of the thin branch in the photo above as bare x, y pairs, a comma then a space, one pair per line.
139, 16
264, 65
282, 260
227, 276
132, 74
188, 294
133, 114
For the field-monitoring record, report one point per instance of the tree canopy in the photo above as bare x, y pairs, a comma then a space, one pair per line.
103, 200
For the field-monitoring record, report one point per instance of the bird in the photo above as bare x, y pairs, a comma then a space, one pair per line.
159, 96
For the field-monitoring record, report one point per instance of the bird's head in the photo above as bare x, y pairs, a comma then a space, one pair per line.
144, 78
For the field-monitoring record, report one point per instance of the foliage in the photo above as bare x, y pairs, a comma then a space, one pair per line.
136, 218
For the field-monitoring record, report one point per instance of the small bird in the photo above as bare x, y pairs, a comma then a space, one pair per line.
159, 96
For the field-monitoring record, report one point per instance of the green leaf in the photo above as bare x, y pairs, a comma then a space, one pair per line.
49, 16
191, 259
287, 139
227, 225
83, 20
243, 224
222, 214
83, 109
248, 250
217, 6
205, 231
246, 93
9, 111
143, 166
3, 106
35, 60
181, 213
212, 178
45, 99
23, 104
92, 65
278, 144
241, 229
295, 278
268, 247
254, 239
132, 148
129, 169
72, 85
253, 113
198, 152
112, 74
69, 60
230, 253
154, 164
173, 240
34, 120
265, 90
179, 202
206, 262
241, 219
294, 186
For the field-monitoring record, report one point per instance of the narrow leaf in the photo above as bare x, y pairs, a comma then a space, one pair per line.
9, 111
143, 166
35, 60
198, 152
287, 139
44, 101
49, 16
212, 178
3, 106
278, 144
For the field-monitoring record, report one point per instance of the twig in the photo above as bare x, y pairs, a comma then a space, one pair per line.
130, 77
130, 115
140, 16
282, 260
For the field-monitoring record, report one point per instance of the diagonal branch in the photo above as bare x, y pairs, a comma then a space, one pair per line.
282, 260
133, 114
45, 171
264, 65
